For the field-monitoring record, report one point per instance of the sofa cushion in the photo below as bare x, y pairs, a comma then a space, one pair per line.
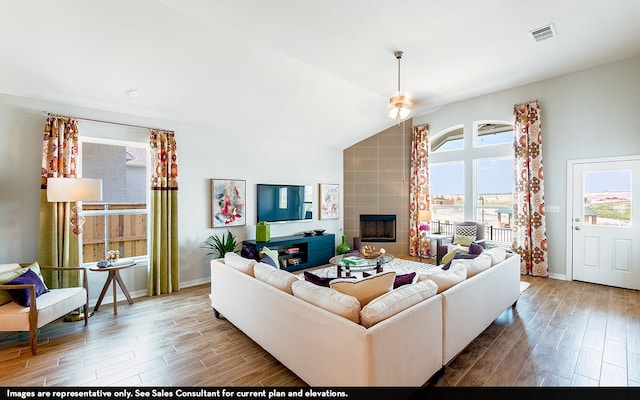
365, 289
23, 296
445, 279
277, 278
474, 266
475, 248
393, 302
7, 276
269, 256
328, 299
497, 254
242, 264
459, 256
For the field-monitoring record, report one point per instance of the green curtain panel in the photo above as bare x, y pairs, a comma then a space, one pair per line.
529, 228
419, 188
164, 268
58, 246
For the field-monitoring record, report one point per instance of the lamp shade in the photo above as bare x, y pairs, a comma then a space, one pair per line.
424, 215
74, 189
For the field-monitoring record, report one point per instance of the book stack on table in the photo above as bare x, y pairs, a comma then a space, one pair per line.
354, 261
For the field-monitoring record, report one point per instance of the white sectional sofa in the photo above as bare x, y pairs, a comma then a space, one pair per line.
328, 339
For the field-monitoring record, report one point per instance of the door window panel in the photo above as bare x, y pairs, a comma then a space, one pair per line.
607, 198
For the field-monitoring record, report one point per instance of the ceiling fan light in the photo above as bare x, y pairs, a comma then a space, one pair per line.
400, 107
404, 112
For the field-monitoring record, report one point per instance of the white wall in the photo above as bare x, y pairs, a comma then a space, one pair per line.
203, 154
588, 114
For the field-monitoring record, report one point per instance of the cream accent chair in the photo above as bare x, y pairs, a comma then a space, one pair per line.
44, 309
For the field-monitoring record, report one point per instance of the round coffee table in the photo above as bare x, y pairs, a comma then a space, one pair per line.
362, 264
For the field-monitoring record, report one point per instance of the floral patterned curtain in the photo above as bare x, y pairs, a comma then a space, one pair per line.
164, 271
57, 245
529, 231
419, 189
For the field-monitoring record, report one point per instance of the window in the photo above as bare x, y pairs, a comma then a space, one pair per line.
471, 178
119, 221
494, 205
449, 139
491, 133
607, 198
447, 192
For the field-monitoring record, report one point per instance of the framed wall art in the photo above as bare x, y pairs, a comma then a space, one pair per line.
329, 201
228, 202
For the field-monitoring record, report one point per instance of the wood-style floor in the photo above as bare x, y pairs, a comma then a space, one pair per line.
559, 334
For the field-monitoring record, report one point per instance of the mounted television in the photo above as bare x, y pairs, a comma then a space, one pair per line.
282, 203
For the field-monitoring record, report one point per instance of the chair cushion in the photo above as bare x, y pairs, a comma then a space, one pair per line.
365, 289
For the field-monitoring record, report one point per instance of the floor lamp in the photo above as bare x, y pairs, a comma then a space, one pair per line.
68, 190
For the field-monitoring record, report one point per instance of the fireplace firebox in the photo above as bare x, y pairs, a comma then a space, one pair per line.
377, 228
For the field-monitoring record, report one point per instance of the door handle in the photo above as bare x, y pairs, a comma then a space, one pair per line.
577, 228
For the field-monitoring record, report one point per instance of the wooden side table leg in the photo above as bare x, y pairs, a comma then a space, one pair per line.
104, 291
123, 287
115, 299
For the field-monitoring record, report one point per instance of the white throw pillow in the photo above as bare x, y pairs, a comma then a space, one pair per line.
393, 302
278, 278
497, 254
365, 289
475, 265
328, 299
242, 264
445, 279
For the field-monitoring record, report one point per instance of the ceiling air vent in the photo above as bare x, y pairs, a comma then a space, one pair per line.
545, 32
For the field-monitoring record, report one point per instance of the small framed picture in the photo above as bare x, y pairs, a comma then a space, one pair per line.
329, 201
228, 202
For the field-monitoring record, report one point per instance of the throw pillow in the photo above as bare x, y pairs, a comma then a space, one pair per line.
328, 299
269, 256
7, 276
395, 301
23, 296
321, 280
452, 251
475, 248
240, 263
365, 289
466, 230
464, 240
401, 280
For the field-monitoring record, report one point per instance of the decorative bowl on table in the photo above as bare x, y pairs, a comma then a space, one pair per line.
371, 252
307, 233
319, 231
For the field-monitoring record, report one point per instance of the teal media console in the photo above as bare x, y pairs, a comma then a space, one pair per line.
298, 251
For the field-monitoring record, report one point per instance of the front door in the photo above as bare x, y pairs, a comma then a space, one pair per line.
605, 223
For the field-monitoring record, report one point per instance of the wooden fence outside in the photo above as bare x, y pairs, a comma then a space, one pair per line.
126, 233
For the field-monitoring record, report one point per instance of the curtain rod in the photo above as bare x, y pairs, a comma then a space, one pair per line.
103, 122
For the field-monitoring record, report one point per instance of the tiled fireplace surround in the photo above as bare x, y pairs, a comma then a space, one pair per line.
376, 181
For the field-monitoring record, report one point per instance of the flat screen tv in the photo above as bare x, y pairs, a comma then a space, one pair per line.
282, 203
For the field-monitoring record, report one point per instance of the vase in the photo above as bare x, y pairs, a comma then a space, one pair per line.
343, 247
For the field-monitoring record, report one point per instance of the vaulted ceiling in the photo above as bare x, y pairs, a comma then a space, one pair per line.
313, 71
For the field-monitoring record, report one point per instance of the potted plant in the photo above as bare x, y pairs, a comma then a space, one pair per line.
220, 246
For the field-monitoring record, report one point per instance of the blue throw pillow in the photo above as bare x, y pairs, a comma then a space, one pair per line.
23, 296
269, 256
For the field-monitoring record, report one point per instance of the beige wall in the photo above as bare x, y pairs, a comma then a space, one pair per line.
376, 181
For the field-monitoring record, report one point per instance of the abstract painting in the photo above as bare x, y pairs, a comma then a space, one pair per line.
228, 202
329, 201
